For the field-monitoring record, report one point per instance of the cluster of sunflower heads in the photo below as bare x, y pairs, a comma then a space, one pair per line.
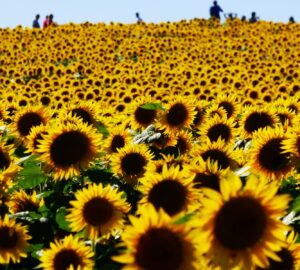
171, 146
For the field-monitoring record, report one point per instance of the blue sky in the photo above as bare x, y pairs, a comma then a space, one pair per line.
22, 12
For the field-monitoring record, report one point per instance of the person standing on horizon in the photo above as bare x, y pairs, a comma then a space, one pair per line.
139, 19
215, 11
36, 23
46, 22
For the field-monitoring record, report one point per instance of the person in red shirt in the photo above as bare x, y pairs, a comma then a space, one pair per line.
46, 22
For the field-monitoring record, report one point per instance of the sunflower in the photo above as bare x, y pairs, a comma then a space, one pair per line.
229, 103
13, 240
28, 118
255, 118
20, 201
155, 241
118, 138
141, 118
85, 110
241, 225
172, 190
8, 166
179, 114
218, 127
69, 147
130, 162
200, 109
289, 255
33, 139
267, 155
69, 253
286, 116
206, 174
99, 210
218, 152
183, 142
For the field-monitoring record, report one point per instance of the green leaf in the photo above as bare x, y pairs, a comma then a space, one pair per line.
35, 247
153, 106
102, 129
184, 219
61, 219
31, 176
296, 204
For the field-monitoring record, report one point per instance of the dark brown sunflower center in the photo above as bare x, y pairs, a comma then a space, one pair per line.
228, 107
69, 148
27, 121
283, 118
257, 120
271, 157
117, 142
83, 114
182, 145
133, 163
217, 131
97, 211
8, 238
240, 223
144, 117
65, 258
177, 115
159, 249
198, 117
36, 140
217, 156
27, 205
170, 195
45, 100
207, 180
287, 261
4, 160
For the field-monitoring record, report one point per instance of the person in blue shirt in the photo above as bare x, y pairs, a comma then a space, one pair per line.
215, 11
36, 23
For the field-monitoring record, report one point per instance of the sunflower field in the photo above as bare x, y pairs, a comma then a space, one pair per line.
150, 146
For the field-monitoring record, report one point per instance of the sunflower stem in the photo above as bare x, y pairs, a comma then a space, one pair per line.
94, 249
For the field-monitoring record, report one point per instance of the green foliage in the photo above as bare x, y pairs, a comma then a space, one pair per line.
153, 106
61, 219
31, 175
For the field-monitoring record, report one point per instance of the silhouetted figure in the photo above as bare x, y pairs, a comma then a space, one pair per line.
36, 23
51, 19
215, 11
243, 19
46, 22
139, 19
253, 18
230, 15
291, 20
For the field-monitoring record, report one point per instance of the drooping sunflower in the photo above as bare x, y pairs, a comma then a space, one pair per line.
118, 138
241, 225
140, 117
179, 114
286, 116
20, 201
28, 118
85, 110
69, 253
200, 109
206, 174
33, 139
13, 240
172, 190
131, 161
255, 118
99, 210
229, 103
289, 255
219, 152
291, 146
267, 155
155, 241
218, 127
8, 166
68, 148
184, 140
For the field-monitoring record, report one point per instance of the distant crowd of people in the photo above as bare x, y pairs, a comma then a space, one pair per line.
215, 13
216, 10
47, 21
